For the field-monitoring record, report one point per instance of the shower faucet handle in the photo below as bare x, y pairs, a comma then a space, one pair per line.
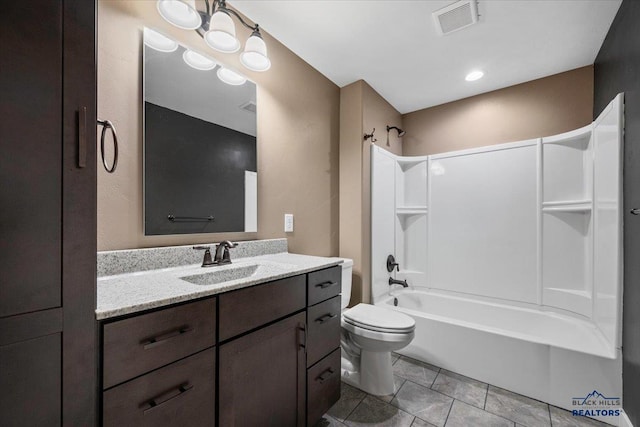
391, 264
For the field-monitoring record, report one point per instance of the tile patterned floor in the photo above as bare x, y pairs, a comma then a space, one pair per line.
428, 396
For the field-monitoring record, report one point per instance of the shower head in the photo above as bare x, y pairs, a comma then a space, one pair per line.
400, 131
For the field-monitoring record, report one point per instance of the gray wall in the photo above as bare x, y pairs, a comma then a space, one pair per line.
617, 69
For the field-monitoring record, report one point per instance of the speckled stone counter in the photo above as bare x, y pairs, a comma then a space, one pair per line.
134, 260
130, 292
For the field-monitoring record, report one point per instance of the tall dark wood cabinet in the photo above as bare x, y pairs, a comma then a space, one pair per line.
48, 359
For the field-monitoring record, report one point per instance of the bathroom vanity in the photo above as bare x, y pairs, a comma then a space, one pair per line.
263, 349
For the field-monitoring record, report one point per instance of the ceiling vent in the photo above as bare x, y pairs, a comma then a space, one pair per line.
456, 16
250, 106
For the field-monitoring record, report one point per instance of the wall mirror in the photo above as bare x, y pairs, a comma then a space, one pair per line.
200, 160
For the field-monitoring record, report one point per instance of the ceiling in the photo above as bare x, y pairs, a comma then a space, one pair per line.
393, 45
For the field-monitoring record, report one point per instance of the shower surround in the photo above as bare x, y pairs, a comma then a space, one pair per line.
513, 256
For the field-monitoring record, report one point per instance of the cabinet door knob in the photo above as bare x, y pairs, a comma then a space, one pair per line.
635, 211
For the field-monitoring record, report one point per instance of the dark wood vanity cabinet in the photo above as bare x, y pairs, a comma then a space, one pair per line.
48, 334
275, 362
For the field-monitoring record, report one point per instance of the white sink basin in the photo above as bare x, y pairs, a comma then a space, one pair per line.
227, 273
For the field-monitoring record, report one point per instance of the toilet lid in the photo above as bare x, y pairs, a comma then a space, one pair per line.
379, 319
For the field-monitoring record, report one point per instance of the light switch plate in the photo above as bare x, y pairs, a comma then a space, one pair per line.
288, 223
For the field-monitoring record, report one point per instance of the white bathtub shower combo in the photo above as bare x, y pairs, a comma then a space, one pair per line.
513, 255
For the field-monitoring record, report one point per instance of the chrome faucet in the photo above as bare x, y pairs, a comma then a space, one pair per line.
393, 281
222, 255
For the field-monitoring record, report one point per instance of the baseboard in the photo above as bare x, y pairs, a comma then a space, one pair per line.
623, 420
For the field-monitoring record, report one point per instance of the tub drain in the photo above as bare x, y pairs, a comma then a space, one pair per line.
395, 302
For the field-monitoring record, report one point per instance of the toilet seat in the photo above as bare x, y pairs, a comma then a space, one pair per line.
378, 319
383, 337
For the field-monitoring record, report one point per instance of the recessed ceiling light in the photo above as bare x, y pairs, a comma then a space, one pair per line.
474, 75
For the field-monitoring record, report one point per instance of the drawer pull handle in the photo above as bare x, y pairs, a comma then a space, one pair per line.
325, 285
326, 318
325, 375
161, 339
302, 341
165, 397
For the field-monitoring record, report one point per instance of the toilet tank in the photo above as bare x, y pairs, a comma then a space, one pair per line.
347, 271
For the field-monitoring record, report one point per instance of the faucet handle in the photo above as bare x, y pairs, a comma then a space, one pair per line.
226, 256
391, 264
206, 261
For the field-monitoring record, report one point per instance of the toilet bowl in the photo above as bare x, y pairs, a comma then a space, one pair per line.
369, 335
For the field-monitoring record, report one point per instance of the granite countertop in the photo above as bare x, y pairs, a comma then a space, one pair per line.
132, 292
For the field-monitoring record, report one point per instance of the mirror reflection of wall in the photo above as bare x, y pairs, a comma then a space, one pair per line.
200, 170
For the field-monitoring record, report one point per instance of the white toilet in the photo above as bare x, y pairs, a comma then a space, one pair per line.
369, 335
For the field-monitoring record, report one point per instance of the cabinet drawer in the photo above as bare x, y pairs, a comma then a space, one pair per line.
140, 344
324, 284
180, 394
323, 324
246, 309
323, 386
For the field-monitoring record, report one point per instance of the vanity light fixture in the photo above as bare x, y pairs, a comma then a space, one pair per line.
255, 56
230, 77
198, 61
181, 13
222, 33
158, 41
474, 75
217, 28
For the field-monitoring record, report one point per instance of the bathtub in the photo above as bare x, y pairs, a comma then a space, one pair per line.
546, 355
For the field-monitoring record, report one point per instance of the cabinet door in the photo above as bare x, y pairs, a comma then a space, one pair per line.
30, 171
263, 377
30, 382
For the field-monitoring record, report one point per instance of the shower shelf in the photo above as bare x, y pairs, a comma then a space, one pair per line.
411, 210
568, 206
567, 163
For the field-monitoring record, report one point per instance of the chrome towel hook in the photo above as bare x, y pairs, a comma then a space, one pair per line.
106, 124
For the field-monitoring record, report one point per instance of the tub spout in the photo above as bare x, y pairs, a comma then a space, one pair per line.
393, 281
